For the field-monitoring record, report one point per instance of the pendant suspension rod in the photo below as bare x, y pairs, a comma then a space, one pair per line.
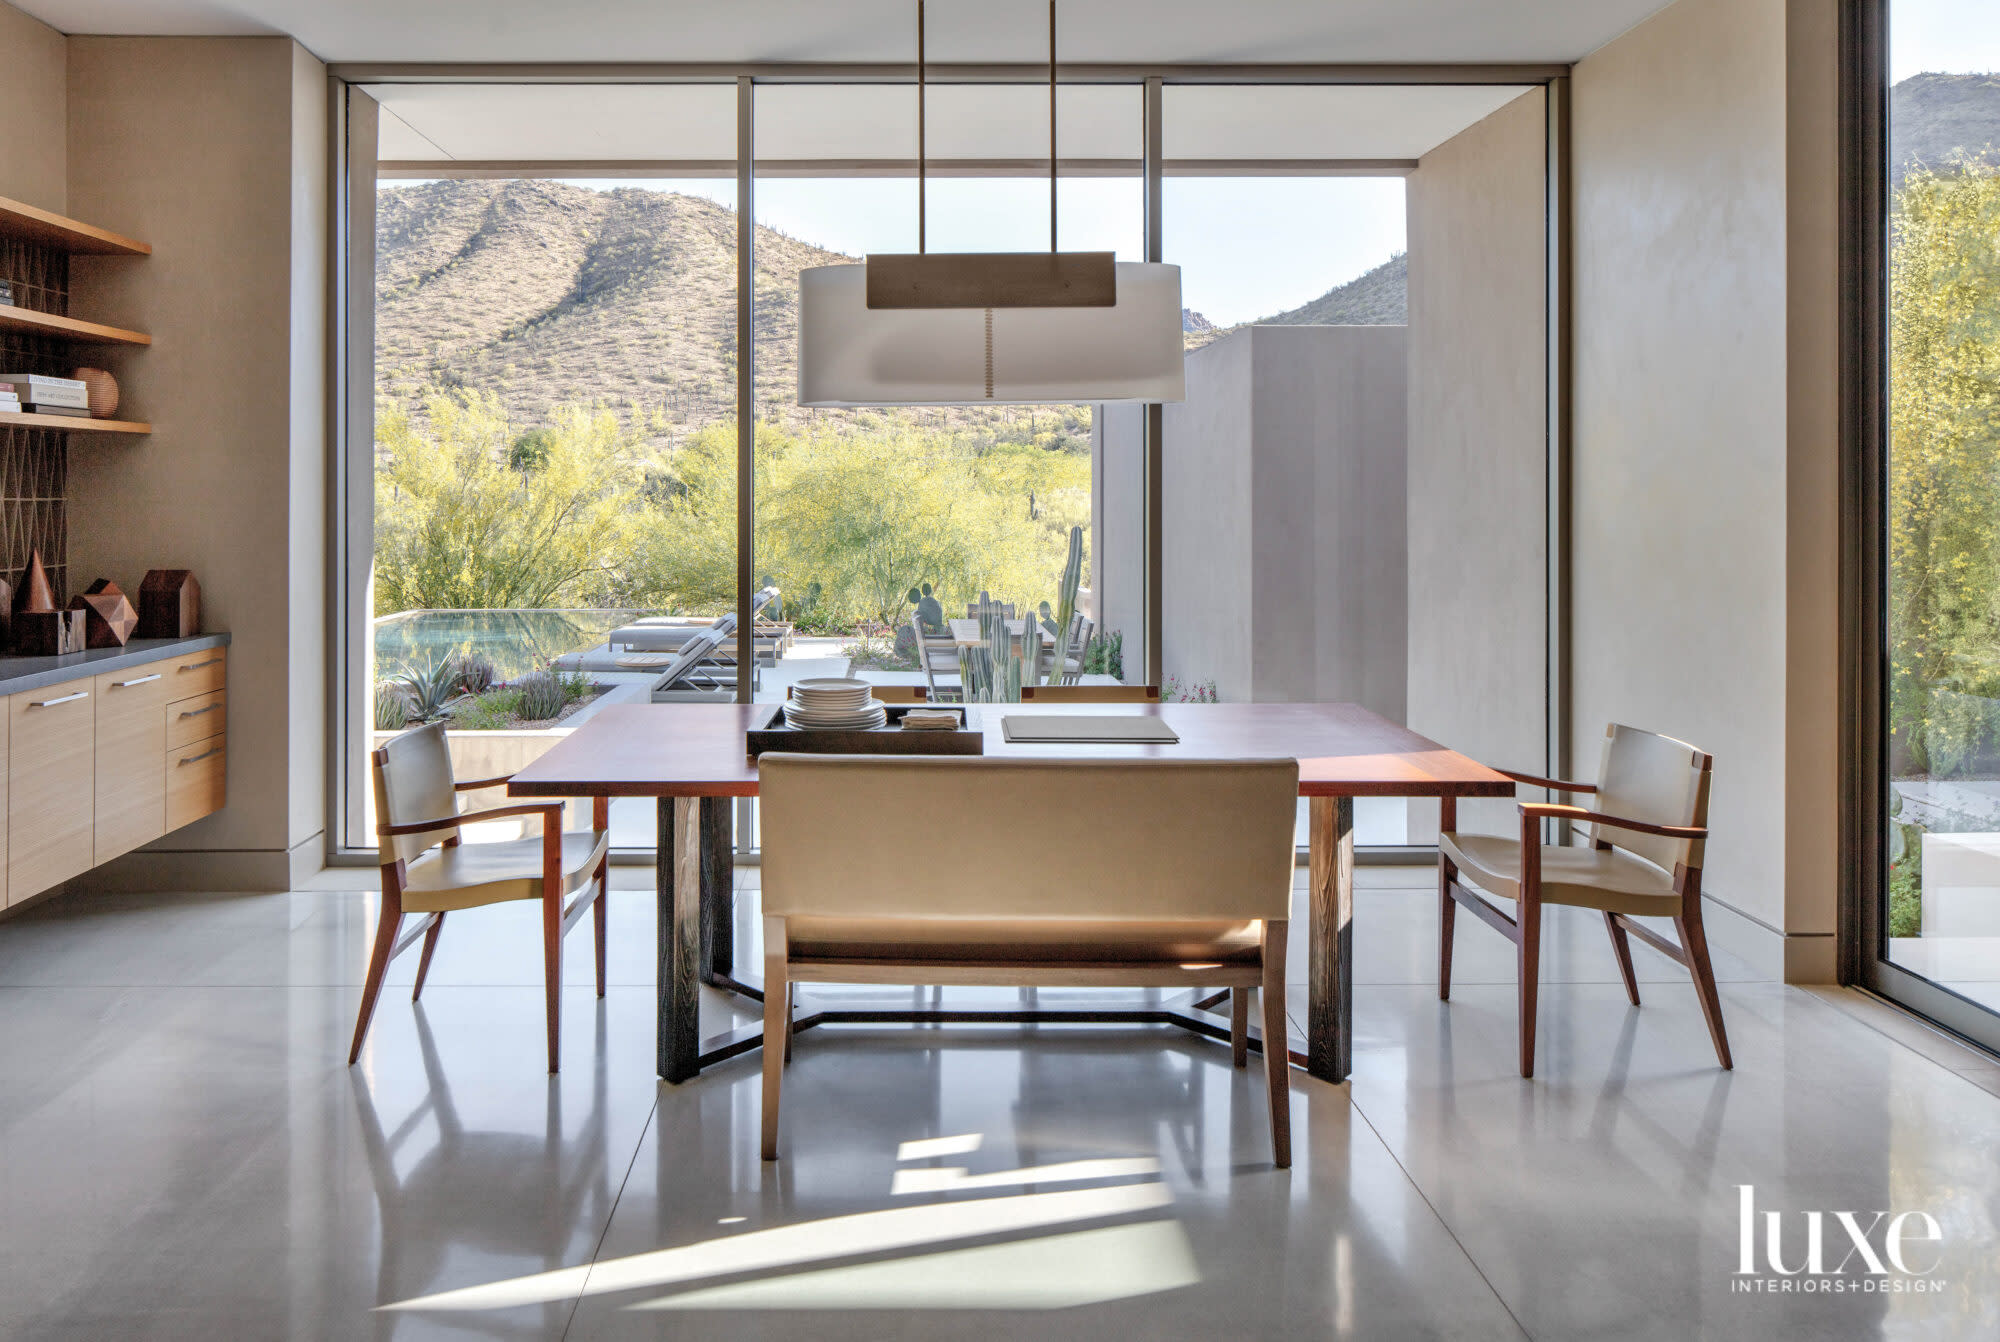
1052, 125
920, 125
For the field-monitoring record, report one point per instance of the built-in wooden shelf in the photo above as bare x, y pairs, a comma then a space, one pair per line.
72, 423
68, 328
65, 235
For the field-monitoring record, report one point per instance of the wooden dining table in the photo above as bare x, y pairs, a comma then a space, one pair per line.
691, 758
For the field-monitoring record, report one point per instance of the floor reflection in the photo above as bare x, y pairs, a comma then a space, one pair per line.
450, 1195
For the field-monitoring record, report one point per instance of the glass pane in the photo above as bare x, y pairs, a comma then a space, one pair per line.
1943, 915
857, 510
554, 377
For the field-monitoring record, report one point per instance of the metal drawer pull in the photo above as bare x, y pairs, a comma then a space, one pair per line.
199, 665
212, 750
128, 684
197, 712
65, 699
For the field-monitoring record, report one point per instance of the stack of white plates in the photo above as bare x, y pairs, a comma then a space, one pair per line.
832, 702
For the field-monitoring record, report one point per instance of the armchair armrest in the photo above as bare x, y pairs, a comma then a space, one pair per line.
548, 811
1557, 784
1534, 810
475, 784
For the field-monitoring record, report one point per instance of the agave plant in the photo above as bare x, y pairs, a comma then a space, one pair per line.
542, 695
431, 690
392, 707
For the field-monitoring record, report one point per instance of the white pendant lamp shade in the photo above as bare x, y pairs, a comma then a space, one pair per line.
852, 355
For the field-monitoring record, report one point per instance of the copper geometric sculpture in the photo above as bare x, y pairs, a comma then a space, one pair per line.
169, 604
48, 633
108, 617
34, 594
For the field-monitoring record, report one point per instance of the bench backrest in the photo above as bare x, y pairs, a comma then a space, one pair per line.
1026, 838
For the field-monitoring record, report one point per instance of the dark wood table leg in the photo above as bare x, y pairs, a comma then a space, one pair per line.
1330, 971
718, 890
680, 871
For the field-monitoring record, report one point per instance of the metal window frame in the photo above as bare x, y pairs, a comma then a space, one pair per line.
352, 504
1863, 910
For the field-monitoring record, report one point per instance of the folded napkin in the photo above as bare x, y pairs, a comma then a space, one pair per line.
930, 719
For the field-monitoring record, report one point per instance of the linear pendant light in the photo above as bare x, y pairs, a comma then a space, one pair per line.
989, 328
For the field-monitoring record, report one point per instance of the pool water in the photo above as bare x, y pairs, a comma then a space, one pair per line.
515, 641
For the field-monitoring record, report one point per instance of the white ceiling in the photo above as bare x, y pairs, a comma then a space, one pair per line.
883, 30
554, 122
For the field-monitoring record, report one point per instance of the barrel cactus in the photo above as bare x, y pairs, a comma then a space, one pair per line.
542, 695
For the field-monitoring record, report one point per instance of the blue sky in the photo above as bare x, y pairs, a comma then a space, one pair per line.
1247, 247
1944, 36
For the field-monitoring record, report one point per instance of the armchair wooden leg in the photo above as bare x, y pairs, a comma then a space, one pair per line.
386, 928
1694, 940
1621, 946
1530, 958
1239, 1026
599, 915
600, 821
777, 1008
1447, 926
424, 961
1277, 1042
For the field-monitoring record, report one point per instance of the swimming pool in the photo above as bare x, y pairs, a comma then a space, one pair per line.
515, 641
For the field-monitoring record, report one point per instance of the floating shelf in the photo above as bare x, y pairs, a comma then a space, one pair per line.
68, 328
65, 235
71, 424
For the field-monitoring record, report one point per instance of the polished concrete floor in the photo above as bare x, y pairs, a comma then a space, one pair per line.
185, 1154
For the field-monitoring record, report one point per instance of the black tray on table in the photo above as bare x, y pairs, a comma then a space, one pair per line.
773, 733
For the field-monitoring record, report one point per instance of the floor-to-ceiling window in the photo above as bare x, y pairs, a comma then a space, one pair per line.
554, 275
1937, 924
553, 450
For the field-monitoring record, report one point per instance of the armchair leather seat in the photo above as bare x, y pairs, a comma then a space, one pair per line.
472, 874
1008, 940
1590, 878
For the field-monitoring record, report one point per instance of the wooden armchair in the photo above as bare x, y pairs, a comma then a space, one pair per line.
1090, 694
427, 870
1648, 826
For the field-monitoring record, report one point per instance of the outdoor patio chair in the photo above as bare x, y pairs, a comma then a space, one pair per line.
938, 653
1071, 671
427, 870
1647, 832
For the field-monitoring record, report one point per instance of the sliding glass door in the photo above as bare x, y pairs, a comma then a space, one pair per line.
1932, 935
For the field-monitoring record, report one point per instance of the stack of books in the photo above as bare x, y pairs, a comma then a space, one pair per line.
37, 395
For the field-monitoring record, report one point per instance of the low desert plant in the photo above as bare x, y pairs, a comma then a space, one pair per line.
1106, 656
392, 707
1178, 691
543, 696
476, 675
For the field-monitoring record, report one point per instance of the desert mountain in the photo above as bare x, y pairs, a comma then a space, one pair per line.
1937, 120
549, 293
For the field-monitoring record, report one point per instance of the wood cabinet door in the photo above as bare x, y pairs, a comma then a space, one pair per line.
131, 742
197, 779
50, 772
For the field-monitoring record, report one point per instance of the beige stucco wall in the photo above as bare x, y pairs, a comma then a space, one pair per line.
1283, 576
1118, 528
214, 151
1704, 537
32, 98
1478, 662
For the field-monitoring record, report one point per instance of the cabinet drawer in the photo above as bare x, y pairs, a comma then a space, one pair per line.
50, 772
196, 719
196, 673
131, 739
197, 780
